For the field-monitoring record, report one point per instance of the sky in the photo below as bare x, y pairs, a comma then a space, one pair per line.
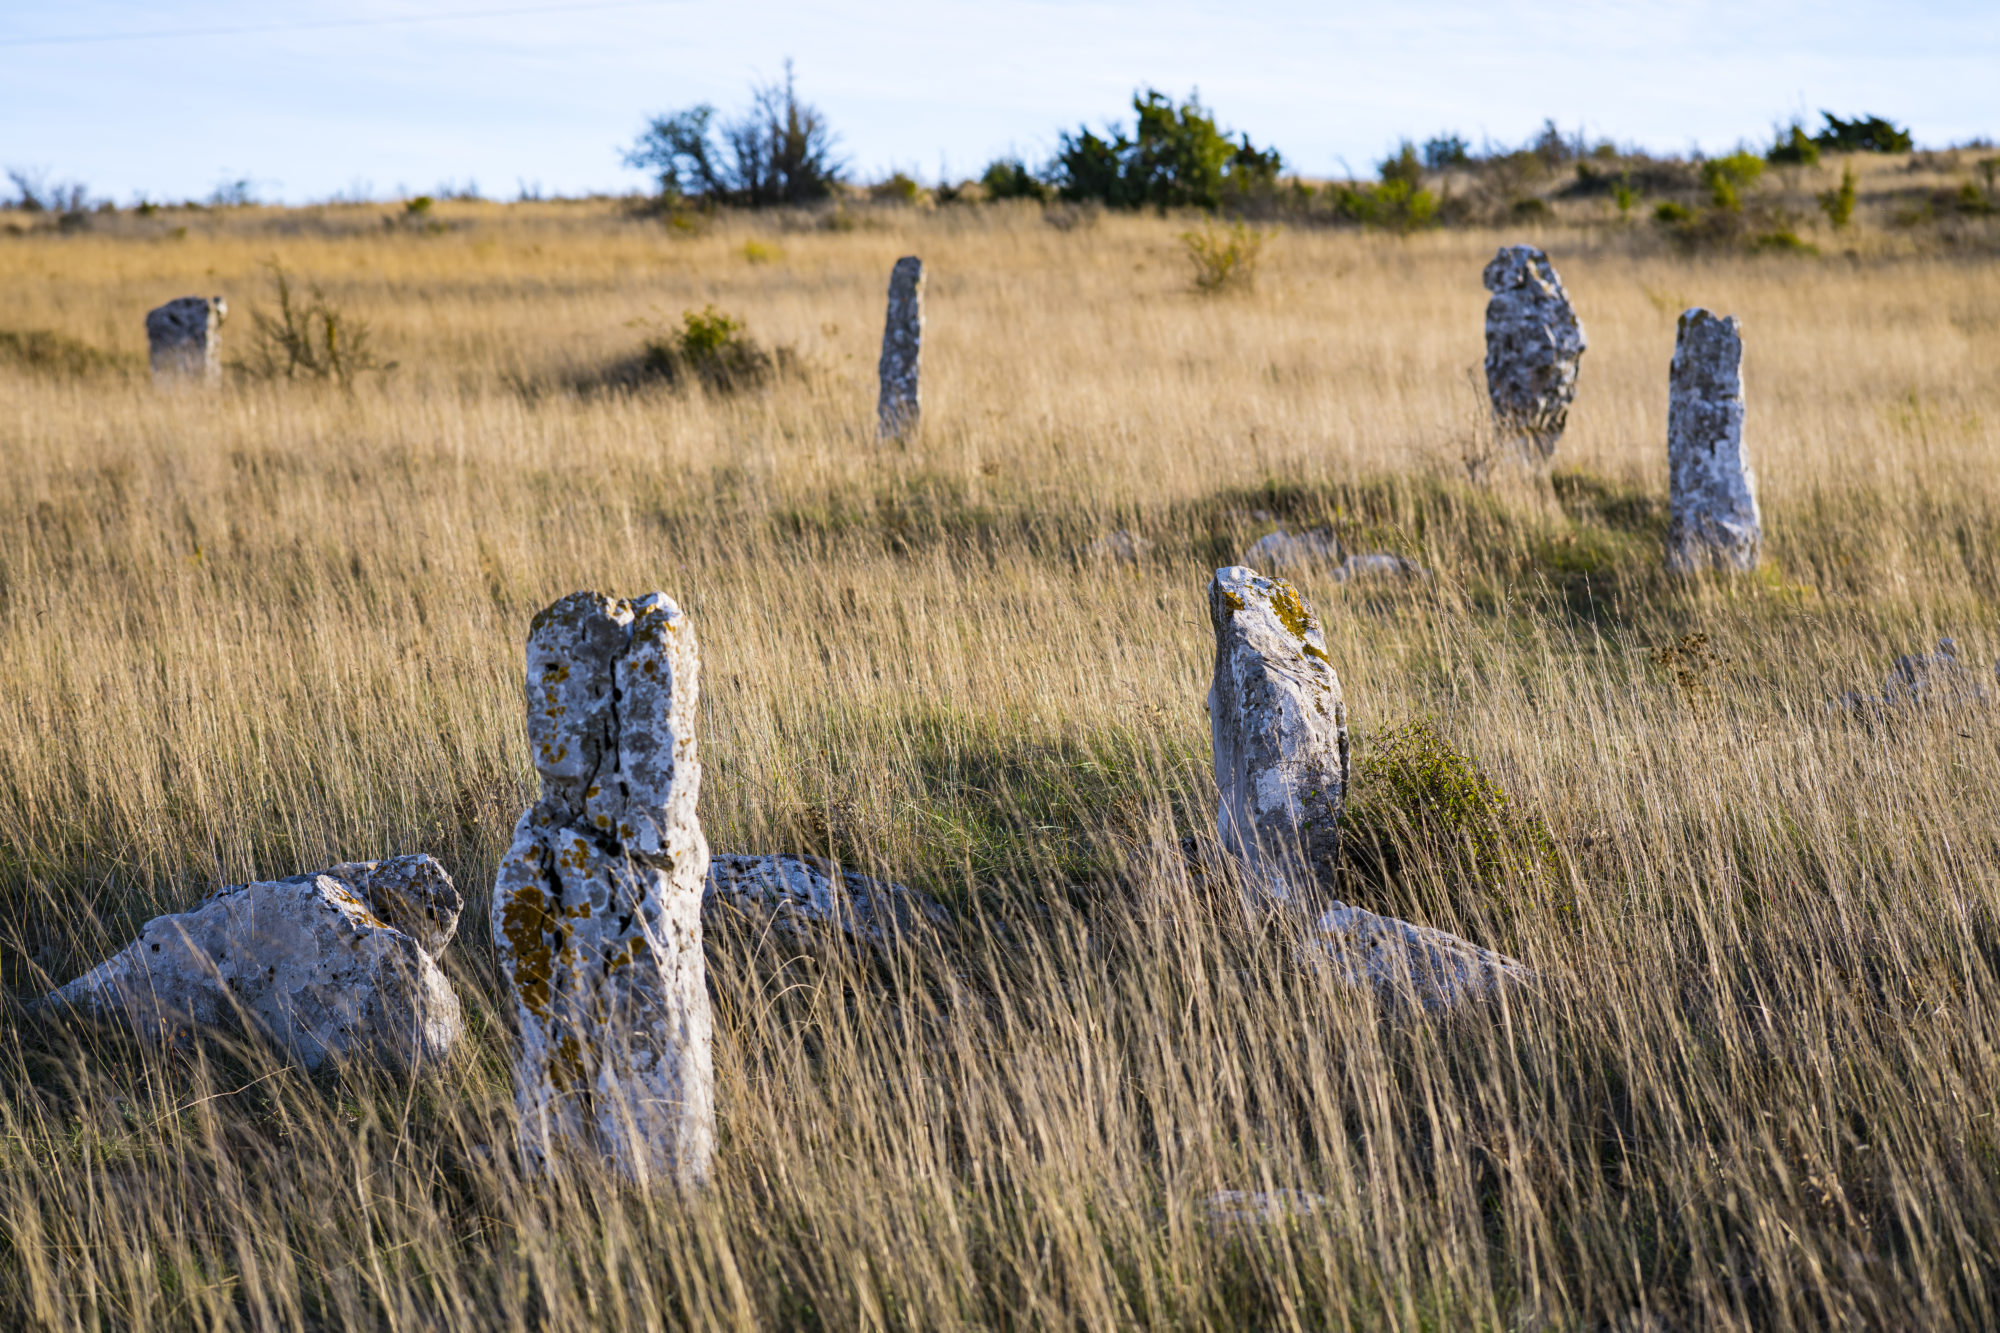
384, 98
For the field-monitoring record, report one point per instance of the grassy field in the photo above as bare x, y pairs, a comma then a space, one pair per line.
261, 631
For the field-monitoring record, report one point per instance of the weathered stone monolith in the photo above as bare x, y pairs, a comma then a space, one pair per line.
1533, 345
899, 409
1712, 520
185, 339
334, 965
1280, 735
597, 905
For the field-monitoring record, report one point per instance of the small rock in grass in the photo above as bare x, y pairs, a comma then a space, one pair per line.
1402, 961
803, 897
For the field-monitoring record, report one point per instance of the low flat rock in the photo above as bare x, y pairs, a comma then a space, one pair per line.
1249, 1208
1435, 968
802, 897
1935, 680
334, 965
1320, 549
1121, 547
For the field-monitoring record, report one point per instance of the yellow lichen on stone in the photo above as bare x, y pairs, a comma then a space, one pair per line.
525, 922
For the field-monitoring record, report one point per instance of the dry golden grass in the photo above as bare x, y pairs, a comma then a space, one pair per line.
269, 629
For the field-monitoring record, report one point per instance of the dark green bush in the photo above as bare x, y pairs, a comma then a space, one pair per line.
1838, 203
780, 151
1726, 178
1399, 203
1176, 157
1447, 150
1794, 148
1009, 178
1863, 134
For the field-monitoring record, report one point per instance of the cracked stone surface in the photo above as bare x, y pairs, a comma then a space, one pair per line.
185, 339
1403, 961
1712, 520
1279, 728
802, 898
333, 965
597, 903
1533, 346
899, 409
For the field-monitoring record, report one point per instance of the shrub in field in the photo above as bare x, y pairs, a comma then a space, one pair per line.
1863, 134
1176, 157
309, 338
1726, 178
1399, 203
900, 188
1224, 258
780, 151
1009, 178
1446, 150
1838, 203
1794, 148
710, 347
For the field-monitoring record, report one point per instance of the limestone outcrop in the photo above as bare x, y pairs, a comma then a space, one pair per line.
1712, 518
806, 899
335, 965
899, 409
1534, 344
1279, 729
184, 337
597, 903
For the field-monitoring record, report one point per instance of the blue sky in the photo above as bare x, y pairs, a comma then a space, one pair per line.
382, 97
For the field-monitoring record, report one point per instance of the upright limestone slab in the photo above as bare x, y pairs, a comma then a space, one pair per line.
1533, 346
185, 340
335, 965
1712, 520
899, 409
1280, 735
597, 905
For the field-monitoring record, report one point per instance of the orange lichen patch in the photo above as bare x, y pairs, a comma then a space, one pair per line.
1291, 610
1231, 600
525, 922
566, 1072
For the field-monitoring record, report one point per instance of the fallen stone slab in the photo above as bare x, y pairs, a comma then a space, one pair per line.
1407, 962
1121, 547
1534, 344
1279, 730
1935, 680
184, 340
805, 898
335, 965
1320, 549
1713, 521
1253, 1208
597, 903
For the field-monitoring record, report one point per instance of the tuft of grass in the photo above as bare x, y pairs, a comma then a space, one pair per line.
47, 352
1224, 258
309, 338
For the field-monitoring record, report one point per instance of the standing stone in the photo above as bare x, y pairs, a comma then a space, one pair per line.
1712, 520
1280, 735
899, 409
1533, 345
597, 904
340, 964
186, 340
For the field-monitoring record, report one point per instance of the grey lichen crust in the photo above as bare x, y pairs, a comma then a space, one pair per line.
334, 965
806, 899
1533, 346
899, 409
1712, 520
185, 340
597, 904
1279, 728
1404, 962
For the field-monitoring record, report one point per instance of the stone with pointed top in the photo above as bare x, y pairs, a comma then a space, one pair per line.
1712, 519
1533, 346
185, 340
597, 904
1279, 727
899, 409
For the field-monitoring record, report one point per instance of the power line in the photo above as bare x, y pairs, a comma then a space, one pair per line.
78, 39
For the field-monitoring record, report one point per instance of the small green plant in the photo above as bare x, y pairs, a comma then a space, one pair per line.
418, 206
711, 347
1624, 195
1224, 258
1794, 148
1726, 178
309, 339
900, 188
46, 352
761, 252
1838, 203
1399, 203
1672, 213
1784, 240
